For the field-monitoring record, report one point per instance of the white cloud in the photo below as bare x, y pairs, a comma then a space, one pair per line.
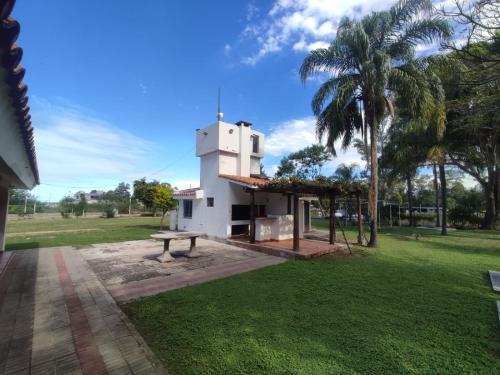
293, 135
76, 150
290, 136
303, 24
186, 184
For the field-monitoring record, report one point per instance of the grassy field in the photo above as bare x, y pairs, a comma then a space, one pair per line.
410, 307
33, 233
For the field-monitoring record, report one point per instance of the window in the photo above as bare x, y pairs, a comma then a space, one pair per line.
187, 209
210, 202
255, 144
242, 211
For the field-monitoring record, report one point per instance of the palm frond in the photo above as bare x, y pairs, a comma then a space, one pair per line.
328, 89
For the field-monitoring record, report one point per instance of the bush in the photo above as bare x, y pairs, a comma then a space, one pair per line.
462, 217
109, 210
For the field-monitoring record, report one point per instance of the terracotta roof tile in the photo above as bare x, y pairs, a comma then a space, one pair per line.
186, 192
259, 182
11, 57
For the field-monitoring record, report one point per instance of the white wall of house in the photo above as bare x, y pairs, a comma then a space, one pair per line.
15, 168
230, 149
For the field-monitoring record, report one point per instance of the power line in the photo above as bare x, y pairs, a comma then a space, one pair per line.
177, 160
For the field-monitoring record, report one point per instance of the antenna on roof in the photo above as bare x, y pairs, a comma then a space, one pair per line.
219, 113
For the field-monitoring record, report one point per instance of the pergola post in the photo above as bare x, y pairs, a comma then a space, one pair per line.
252, 216
296, 240
331, 228
360, 220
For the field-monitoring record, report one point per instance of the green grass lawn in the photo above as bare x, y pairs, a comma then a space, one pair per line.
410, 307
34, 233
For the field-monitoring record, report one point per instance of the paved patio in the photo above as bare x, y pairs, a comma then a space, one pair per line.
57, 318
130, 270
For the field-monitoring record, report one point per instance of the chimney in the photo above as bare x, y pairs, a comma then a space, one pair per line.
243, 123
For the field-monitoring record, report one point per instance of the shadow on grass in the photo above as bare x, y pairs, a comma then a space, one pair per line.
22, 246
144, 226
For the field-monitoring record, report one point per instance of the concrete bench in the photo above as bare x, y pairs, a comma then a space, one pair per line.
169, 236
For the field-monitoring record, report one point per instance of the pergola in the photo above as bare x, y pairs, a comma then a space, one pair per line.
294, 189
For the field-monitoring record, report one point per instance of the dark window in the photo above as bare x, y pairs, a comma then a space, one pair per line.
188, 209
242, 211
255, 144
239, 229
210, 202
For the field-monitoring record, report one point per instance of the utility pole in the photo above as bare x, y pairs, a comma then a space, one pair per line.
34, 207
129, 205
25, 203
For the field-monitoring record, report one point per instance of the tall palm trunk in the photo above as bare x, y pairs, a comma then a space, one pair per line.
373, 194
409, 195
444, 199
436, 193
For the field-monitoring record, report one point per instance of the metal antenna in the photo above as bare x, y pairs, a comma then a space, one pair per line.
219, 113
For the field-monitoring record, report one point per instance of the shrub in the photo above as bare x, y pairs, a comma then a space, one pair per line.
109, 210
463, 216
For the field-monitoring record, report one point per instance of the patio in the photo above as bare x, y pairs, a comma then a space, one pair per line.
308, 248
130, 270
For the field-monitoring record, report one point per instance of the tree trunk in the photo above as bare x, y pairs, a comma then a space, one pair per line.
489, 191
444, 200
373, 193
436, 192
162, 219
497, 190
409, 195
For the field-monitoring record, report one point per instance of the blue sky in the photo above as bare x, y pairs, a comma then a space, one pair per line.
117, 89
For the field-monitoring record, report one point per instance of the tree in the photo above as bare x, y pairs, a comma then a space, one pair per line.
80, 206
371, 60
472, 137
286, 168
66, 206
346, 175
162, 199
143, 192
478, 21
119, 198
305, 163
155, 196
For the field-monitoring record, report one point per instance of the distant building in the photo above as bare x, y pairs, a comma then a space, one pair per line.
94, 196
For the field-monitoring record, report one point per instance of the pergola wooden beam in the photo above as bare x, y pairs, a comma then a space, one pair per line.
293, 190
332, 234
252, 216
360, 219
296, 239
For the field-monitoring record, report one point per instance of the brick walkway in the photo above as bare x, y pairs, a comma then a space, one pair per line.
57, 318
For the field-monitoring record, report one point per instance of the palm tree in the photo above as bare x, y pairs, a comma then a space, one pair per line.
370, 61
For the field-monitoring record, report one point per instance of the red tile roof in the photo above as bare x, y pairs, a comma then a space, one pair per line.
12, 54
259, 182
186, 192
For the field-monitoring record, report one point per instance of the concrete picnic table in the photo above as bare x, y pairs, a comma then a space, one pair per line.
168, 236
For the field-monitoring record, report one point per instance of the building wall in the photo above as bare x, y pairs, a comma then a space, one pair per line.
212, 221
15, 169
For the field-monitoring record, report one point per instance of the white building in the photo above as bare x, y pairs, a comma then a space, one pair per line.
230, 157
18, 166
